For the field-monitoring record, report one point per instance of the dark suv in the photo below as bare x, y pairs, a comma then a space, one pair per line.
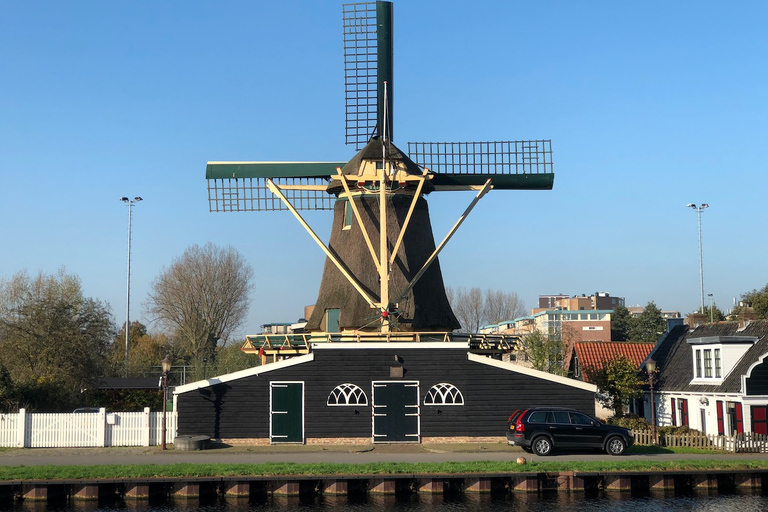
543, 429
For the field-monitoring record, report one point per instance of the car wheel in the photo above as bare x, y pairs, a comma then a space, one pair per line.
615, 446
542, 446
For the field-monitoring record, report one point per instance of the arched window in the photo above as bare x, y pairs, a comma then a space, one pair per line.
347, 394
444, 394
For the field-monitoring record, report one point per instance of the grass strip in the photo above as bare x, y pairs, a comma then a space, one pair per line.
294, 469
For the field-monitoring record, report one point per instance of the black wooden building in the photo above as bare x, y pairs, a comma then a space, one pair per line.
380, 392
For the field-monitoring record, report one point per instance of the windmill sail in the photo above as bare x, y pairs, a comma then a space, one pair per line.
512, 165
241, 186
368, 57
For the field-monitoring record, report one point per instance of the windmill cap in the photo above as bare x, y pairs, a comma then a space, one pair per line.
372, 152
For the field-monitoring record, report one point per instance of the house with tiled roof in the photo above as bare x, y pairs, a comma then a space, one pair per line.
712, 378
595, 354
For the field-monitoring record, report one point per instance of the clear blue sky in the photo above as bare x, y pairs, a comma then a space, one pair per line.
650, 106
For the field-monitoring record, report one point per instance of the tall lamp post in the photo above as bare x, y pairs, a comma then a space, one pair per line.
166, 367
711, 308
701, 263
650, 368
130, 203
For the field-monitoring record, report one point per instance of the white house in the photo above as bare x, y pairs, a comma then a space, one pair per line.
712, 378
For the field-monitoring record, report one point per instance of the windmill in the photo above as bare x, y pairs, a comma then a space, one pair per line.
382, 273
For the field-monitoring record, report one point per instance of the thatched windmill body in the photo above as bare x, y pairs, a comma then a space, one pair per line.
382, 273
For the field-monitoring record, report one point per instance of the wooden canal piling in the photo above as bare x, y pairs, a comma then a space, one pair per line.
204, 489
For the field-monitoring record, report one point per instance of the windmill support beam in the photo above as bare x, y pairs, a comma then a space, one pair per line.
354, 282
486, 188
416, 196
359, 219
383, 255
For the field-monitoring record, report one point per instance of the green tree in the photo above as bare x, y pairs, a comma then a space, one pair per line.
231, 359
201, 299
621, 324
53, 339
617, 382
145, 351
758, 301
712, 313
649, 326
9, 398
545, 352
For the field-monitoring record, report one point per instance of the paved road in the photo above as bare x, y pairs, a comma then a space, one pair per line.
311, 454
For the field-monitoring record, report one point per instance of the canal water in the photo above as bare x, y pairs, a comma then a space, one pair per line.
607, 502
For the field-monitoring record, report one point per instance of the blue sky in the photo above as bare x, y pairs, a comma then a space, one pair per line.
649, 106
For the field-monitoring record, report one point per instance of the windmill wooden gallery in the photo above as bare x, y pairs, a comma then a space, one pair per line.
379, 361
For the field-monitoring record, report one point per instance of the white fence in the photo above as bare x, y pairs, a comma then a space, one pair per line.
79, 430
747, 442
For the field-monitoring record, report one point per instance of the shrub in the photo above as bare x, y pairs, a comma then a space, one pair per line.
630, 421
671, 430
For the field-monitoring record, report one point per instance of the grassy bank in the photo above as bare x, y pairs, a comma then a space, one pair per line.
291, 469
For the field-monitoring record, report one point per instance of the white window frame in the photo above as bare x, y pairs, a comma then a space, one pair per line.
347, 395
437, 395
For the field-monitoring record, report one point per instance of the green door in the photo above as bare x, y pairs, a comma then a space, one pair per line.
286, 414
396, 412
332, 317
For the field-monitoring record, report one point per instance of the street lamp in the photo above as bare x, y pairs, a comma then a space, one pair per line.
701, 264
166, 367
711, 308
650, 368
130, 203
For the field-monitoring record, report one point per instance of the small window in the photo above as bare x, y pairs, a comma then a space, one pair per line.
444, 394
718, 370
538, 417
708, 364
698, 364
348, 215
347, 394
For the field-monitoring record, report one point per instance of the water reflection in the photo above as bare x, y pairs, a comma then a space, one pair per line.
605, 502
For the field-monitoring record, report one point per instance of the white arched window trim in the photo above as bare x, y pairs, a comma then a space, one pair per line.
444, 394
347, 394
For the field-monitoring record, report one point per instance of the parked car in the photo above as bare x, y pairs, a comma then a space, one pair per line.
543, 429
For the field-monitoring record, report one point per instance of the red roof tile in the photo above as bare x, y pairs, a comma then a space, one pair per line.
594, 353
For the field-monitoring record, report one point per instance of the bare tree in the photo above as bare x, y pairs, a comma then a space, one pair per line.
475, 308
500, 306
202, 297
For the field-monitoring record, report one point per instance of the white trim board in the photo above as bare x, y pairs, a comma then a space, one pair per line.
532, 373
248, 372
395, 345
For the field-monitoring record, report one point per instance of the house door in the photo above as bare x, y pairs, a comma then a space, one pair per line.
286, 412
396, 412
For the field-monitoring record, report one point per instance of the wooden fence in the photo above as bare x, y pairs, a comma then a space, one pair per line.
79, 430
738, 443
